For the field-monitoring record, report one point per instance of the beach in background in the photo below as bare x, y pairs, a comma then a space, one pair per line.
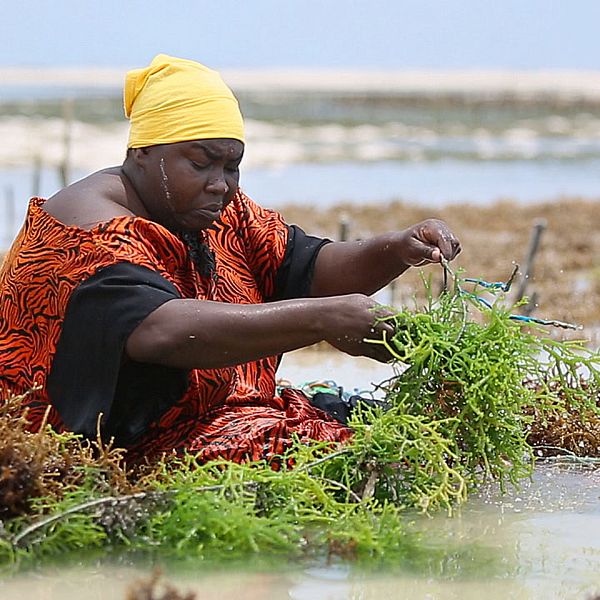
318, 138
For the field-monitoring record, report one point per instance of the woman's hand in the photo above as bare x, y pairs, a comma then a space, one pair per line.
349, 320
427, 242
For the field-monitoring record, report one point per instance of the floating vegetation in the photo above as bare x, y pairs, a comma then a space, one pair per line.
477, 397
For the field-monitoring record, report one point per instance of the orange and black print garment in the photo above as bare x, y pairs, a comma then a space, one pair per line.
71, 297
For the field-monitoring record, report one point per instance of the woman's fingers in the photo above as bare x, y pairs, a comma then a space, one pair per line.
382, 328
433, 240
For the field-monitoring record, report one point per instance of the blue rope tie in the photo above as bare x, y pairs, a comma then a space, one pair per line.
504, 287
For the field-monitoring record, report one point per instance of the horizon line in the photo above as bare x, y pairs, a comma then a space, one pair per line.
580, 82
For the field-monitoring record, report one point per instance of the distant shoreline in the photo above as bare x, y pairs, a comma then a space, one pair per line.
566, 84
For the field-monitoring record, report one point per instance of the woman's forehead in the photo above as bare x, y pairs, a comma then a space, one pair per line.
216, 148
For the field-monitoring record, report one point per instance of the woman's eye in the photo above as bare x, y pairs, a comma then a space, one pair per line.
199, 166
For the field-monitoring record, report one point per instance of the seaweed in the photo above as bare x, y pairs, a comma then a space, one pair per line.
477, 396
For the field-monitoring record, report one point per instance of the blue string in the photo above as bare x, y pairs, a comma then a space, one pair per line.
505, 287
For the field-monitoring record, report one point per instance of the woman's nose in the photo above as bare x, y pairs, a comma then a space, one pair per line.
218, 186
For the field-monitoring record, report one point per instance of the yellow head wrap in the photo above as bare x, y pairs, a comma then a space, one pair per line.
178, 100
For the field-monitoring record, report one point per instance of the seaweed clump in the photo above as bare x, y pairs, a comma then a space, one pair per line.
564, 426
46, 464
476, 397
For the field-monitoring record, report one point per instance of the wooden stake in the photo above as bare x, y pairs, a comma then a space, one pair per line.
534, 243
37, 176
68, 109
9, 233
344, 228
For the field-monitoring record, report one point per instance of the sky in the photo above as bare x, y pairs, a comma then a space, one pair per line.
376, 34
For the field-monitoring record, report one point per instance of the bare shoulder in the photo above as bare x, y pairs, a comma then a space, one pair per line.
95, 199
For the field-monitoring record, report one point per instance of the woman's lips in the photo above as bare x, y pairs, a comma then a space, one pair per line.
212, 213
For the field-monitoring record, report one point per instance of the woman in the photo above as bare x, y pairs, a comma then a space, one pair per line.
152, 301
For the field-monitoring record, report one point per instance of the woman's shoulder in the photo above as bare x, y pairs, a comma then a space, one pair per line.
95, 199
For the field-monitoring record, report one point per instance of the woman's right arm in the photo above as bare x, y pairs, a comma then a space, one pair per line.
203, 334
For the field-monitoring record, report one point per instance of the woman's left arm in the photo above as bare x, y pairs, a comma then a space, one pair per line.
366, 266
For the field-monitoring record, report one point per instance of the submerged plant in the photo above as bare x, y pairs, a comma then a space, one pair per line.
149, 589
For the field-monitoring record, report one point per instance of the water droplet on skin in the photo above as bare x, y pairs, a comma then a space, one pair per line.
165, 182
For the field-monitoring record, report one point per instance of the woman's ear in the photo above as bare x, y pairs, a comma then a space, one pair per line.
139, 156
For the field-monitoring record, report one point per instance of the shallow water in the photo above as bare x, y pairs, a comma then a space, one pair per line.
543, 540
354, 374
433, 184
322, 148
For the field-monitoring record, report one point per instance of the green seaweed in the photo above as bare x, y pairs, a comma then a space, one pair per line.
474, 395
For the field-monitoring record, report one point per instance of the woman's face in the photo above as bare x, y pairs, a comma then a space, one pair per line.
186, 185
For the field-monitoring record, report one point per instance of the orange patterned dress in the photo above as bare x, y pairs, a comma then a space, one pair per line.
80, 375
